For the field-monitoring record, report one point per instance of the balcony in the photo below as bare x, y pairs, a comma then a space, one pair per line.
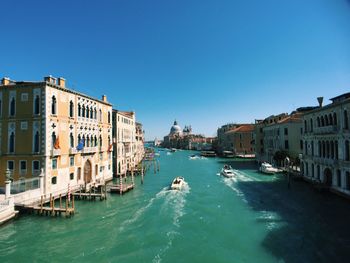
325, 161
326, 130
73, 150
87, 150
55, 152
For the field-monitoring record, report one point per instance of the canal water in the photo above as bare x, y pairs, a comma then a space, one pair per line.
251, 218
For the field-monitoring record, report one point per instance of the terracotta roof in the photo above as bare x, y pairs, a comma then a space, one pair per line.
291, 118
243, 128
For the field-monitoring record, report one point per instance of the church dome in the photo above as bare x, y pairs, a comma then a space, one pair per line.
175, 129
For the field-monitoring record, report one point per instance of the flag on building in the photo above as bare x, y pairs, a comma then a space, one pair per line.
57, 143
80, 145
110, 147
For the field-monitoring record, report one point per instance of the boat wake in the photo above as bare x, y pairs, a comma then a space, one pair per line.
142, 210
174, 204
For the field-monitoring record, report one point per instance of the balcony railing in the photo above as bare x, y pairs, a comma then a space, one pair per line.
90, 150
55, 152
326, 130
73, 150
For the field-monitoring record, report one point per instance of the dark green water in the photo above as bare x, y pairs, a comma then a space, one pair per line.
252, 218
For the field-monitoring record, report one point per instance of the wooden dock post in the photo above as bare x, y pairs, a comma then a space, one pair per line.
41, 205
121, 185
60, 201
142, 175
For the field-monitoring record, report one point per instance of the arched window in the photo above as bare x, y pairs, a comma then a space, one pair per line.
319, 148
79, 110
92, 141
71, 140
109, 117
71, 109
109, 140
83, 111
36, 142
95, 139
95, 114
305, 147
12, 143
328, 150
13, 107
79, 138
36, 105
305, 126
335, 122
322, 121
326, 120
87, 112
318, 121
84, 141
312, 148
336, 150
100, 141
332, 149
346, 120
87, 141
311, 125
54, 105
91, 113
53, 139
330, 119
323, 149
100, 115
347, 152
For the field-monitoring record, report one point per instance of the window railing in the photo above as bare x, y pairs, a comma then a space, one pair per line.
25, 185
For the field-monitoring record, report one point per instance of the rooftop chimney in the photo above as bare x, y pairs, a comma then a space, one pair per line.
50, 79
320, 101
104, 98
62, 82
5, 81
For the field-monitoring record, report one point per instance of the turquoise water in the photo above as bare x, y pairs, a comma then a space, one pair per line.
251, 218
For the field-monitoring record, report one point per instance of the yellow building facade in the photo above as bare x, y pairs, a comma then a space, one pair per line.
47, 128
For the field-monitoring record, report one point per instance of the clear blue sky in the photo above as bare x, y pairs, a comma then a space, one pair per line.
205, 63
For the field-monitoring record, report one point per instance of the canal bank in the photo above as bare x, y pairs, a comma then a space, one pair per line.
251, 218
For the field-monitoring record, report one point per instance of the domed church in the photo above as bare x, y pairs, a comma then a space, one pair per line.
175, 130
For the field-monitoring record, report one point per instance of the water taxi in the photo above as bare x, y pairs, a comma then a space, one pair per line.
267, 168
227, 171
208, 153
177, 183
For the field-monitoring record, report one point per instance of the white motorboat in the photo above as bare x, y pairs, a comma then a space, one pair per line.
227, 171
177, 183
267, 168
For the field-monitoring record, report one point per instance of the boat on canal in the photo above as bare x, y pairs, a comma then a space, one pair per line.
267, 168
178, 183
208, 153
227, 171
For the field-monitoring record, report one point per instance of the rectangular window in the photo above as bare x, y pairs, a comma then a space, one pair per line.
71, 161
36, 166
54, 164
24, 125
286, 144
23, 166
285, 131
24, 97
11, 165
301, 144
71, 176
339, 178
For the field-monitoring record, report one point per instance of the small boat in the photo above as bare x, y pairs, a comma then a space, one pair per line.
227, 171
208, 153
173, 150
228, 154
177, 183
267, 168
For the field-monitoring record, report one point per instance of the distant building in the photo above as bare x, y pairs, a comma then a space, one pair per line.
184, 139
45, 126
236, 139
326, 138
